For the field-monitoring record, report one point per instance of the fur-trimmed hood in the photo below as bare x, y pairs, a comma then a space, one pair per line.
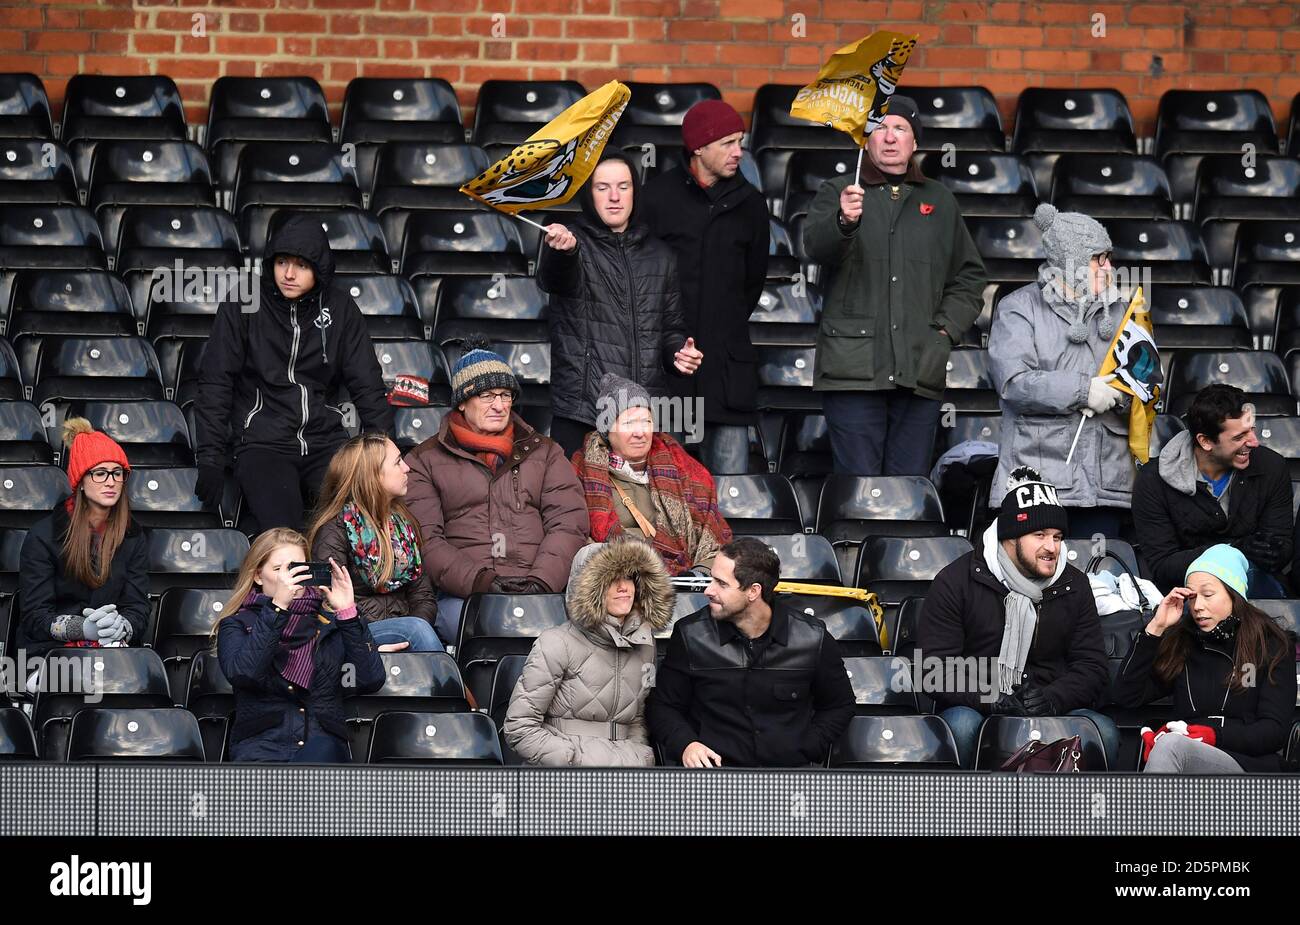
598, 565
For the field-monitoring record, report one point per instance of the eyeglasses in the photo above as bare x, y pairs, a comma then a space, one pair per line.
1103, 257
103, 475
489, 398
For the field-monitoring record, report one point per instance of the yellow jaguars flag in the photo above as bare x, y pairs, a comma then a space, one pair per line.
1133, 358
852, 91
550, 167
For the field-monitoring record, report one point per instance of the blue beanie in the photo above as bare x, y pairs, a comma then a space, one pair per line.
478, 370
1225, 563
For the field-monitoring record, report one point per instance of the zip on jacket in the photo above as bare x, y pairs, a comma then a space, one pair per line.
293, 361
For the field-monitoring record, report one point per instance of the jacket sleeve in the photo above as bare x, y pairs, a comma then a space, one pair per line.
940, 633
36, 583
833, 702
330, 544
565, 521
448, 567
1136, 685
824, 241
1276, 520
422, 598
363, 375
1157, 534
756, 258
1086, 674
1015, 366
360, 651
134, 603
668, 707
674, 322
559, 272
223, 358
529, 703
1271, 726
246, 658
963, 291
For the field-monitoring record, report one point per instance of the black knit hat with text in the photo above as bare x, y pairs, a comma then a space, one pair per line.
1029, 506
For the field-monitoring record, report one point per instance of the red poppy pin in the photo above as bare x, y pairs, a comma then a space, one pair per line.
926, 208
1022, 516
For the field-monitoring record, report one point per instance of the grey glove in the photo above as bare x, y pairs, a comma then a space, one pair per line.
114, 628
101, 623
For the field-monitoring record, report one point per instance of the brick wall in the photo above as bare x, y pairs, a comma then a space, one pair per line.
1146, 47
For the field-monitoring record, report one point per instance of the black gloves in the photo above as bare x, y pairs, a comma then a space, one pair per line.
1007, 705
519, 585
211, 486
1260, 550
1036, 702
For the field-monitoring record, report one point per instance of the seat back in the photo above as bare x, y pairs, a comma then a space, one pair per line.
435, 738
919, 742
1002, 736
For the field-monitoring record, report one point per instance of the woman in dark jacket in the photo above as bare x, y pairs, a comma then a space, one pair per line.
84, 579
615, 305
284, 646
363, 523
1229, 667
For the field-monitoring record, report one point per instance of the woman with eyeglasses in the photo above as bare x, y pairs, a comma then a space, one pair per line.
84, 578
1046, 347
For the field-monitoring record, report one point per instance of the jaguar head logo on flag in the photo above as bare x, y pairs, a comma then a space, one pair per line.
533, 172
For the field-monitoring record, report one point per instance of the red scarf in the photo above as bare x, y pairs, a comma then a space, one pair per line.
491, 448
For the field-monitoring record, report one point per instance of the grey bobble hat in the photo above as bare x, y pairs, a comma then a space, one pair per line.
1070, 239
616, 396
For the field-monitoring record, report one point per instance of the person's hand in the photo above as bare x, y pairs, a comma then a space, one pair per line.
114, 627
210, 486
699, 755
394, 646
1036, 703
338, 593
851, 204
284, 591
1170, 610
519, 584
1102, 396
560, 238
1007, 705
1261, 550
688, 359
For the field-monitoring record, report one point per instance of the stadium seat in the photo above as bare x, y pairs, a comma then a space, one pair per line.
1285, 612
1115, 555
1111, 186
806, 171
50, 237
421, 175
35, 170
152, 237
379, 111
98, 107
28, 493
1282, 436
898, 567
89, 368
655, 111
805, 447
11, 546
965, 117
1171, 251
145, 172
902, 742
786, 315
415, 358
279, 174
191, 558
1050, 121
1198, 317
984, 428
1002, 736
435, 738
494, 625
1193, 123
413, 426
1166, 426
849, 621
125, 678
1012, 248
186, 618
24, 107
970, 388
804, 557
210, 697
70, 302
854, 507
1261, 375
448, 243
507, 308
775, 134
785, 379
165, 498
1267, 253
509, 668
509, 111
22, 435
388, 304
1229, 193
882, 686
17, 743
135, 735
415, 682
153, 433
762, 503
985, 183
785, 248
356, 241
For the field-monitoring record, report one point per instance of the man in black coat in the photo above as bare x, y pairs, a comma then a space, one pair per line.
1213, 483
1012, 627
748, 681
270, 372
717, 223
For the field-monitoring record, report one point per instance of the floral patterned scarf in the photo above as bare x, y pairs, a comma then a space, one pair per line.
364, 543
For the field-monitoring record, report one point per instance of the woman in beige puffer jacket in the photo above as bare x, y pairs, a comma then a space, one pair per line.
580, 700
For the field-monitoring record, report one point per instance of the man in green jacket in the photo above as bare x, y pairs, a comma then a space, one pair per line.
905, 283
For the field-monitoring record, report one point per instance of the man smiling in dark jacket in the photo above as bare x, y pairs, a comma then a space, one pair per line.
270, 374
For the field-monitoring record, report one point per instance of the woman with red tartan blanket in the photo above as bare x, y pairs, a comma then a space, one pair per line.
644, 484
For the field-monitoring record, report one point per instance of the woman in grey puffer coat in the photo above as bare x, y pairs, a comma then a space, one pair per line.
1046, 346
580, 700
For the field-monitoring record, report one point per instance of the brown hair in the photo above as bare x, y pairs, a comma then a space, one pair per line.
1257, 637
79, 561
260, 551
354, 475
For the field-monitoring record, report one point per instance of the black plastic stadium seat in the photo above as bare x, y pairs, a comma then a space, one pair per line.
804, 557
965, 117
388, 304
150, 237
22, 435
852, 508
905, 742
1229, 193
775, 134
1199, 316
1261, 375
1172, 251
89, 368
70, 302
655, 111
785, 379
1012, 248
50, 237
153, 433
295, 173
984, 428
493, 625
898, 567
1109, 186
415, 682
762, 503
28, 493
786, 315
165, 498
145, 172
497, 307
98, 107
1285, 612
35, 170
509, 111
244, 109
1268, 253
849, 621
356, 241
446, 242
1002, 736
377, 109
435, 738
806, 171
423, 175
985, 183
970, 386
1166, 426
211, 698
24, 107
503, 686
184, 557
1051, 120
882, 686
17, 743
135, 735
11, 547
415, 358
1193, 123
186, 618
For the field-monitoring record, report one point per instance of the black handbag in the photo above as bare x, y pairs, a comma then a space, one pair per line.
1119, 628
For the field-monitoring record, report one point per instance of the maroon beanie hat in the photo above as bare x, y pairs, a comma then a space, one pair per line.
707, 121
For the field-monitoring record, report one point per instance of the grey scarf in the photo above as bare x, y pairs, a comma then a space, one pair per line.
1019, 606
1078, 308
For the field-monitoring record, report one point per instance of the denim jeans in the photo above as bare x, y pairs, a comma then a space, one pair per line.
1261, 586
414, 630
965, 725
448, 621
886, 432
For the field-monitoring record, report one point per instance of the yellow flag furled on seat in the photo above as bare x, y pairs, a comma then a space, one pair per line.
852, 91
550, 167
1133, 358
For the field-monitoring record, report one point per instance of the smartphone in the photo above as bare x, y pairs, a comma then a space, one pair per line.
321, 574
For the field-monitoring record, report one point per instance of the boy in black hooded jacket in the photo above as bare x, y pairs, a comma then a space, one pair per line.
269, 374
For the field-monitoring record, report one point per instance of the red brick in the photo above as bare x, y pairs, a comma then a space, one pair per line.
597, 51
237, 67
1262, 39
766, 55
1161, 37
719, 77
189, 67
498, 51
973, 58
1216, 39
1009, 36
805, 56
649, 30
546, 51
395, 25
344, 24
446, 6
956, 35
347, 48
395, 5
475, 75
244, 22
700, 9
755, 31
1107, 61
1257, 64
190, 45
596, 28
345, 4
61, 19
1291, 40
1208, 62
111, 42
534, 7
401, 49
699, 30
965, 12
294, 23
752, 9
597, 7
650, 54
444, 48
650, 74
58, 66
17, 41
591, 77
1063, 13
1006, 59
751, 76
21, 18
174, 20
854, 11
1058, 37
1006, 12
390, 69
154, 43
543, 28
297, 46
649, 8
315, 69
247, 45
53, 41
343, 71
1253, 15
1142, 14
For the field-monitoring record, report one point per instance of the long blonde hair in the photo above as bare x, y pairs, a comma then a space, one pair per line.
354, 475
79, 563
260, 551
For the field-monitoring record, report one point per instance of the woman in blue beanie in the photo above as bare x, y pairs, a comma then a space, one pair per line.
1229, 667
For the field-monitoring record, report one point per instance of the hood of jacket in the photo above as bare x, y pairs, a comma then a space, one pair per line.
597, 566
588, 204
299, 235
1178, 463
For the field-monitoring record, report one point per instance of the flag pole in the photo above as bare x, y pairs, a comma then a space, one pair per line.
1083, 416
857, 174
491, 207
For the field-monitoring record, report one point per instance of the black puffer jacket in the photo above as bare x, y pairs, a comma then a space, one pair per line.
269, 376
615, 308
